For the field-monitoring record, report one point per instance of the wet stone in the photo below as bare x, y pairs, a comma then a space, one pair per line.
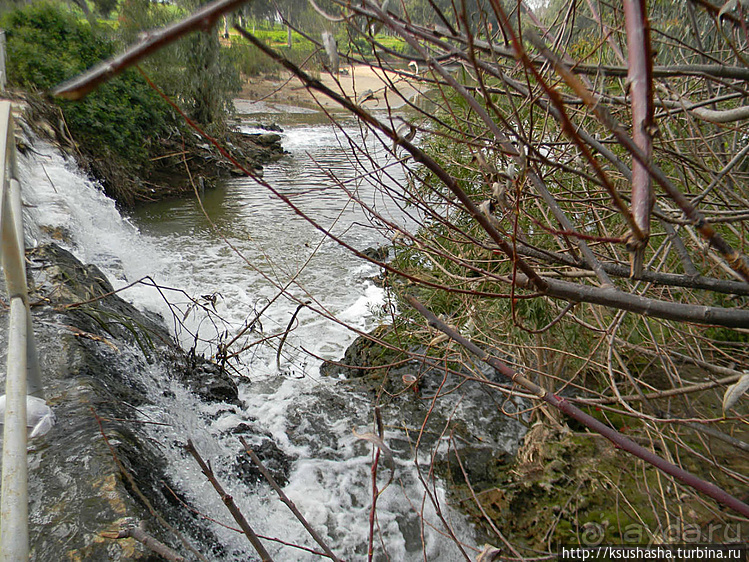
94, 470
274, 460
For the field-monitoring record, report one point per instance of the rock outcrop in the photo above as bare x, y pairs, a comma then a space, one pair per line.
437, 401
96, 470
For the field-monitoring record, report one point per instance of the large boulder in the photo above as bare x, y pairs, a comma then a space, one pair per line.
433, 398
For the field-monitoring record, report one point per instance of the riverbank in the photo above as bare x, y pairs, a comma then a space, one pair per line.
178, 165
372, 88
544, 484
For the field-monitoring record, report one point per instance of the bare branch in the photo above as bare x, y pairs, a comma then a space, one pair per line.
136, 532
735, 260
202, 20
641, 91
285, 499
229, 502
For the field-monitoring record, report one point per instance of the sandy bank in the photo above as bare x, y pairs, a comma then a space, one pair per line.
286, 93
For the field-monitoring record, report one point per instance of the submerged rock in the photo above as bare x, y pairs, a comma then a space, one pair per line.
273, 458
463, 425
97, 470
268, 139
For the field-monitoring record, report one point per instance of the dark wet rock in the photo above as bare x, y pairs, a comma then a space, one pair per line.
479, 465
274, 127
97, 354
208, 380
273, 458
314, 427
482, 437
359, 358
58, 233
379, 253
84, 293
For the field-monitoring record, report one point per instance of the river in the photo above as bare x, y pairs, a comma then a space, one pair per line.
215, 275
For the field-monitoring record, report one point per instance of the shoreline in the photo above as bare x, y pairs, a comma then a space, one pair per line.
281, 92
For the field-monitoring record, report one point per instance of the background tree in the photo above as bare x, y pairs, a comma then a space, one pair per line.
196, 71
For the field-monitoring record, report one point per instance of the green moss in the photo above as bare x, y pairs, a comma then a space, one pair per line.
563, 489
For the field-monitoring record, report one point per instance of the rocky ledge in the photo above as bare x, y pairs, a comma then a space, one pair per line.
97, 470
462, 426
553, 484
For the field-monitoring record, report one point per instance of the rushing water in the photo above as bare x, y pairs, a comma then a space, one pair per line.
270, 246
217, 273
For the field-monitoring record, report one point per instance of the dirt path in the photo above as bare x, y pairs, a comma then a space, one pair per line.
283, 89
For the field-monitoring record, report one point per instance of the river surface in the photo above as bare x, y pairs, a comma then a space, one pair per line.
252, 254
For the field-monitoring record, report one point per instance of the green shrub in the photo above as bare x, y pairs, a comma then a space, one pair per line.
47, 44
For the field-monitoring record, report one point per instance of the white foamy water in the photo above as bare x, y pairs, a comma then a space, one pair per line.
309, 418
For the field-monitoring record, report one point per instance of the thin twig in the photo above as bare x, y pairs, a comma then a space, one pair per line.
285, 499
229, 502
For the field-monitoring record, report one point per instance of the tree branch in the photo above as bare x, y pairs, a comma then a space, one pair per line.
285, 499
229, 503
148, 541
203, 19
619, 440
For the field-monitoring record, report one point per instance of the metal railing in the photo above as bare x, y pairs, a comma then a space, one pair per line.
3, 77
23, 375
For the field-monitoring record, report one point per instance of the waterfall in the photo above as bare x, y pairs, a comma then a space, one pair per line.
310, 419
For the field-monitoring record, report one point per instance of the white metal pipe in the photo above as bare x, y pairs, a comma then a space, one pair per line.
34, 379
13, 260
16, 210
22, 360
5, 117
12, 248
14, 504
3, 76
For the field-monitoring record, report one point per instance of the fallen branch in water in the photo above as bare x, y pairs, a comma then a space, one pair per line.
229, 502
285, 499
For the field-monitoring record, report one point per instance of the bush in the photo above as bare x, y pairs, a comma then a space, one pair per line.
47, 44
